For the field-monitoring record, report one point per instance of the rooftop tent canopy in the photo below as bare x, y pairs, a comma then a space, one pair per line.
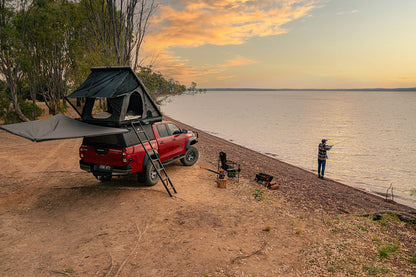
113, 96
58, 127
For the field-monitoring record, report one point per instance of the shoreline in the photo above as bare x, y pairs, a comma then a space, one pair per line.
300, 186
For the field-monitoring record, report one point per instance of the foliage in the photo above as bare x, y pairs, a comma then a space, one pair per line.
119, 27
258, 193
193, 89
11, 48
48, 47
49, 37
157, 84
386, 251
7, 114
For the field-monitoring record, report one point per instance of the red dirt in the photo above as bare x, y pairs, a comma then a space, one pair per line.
57, 220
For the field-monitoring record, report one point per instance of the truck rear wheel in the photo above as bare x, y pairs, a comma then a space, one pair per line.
151, 175
191, 156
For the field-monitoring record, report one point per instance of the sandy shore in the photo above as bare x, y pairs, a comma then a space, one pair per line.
56, 220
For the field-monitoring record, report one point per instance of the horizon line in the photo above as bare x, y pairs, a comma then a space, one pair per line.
313, 89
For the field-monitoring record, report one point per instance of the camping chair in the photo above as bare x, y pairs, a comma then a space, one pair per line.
232, 168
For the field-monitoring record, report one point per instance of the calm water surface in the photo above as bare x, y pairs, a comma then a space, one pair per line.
374, 133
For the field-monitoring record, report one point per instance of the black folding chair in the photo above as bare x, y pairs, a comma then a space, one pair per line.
232, 168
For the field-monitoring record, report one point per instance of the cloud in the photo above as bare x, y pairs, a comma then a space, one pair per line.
223, 22
347, 12
193, 23
178, 68
237, 61
220, 78
406, 79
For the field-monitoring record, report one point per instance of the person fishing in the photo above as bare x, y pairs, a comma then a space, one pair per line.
322, 156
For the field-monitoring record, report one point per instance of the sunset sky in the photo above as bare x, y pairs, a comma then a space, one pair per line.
286, 43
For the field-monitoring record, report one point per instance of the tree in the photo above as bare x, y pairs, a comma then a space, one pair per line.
11, 47
192, 88
120, 27
48, 41
157, 84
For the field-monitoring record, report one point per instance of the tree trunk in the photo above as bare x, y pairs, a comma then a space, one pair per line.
16, 106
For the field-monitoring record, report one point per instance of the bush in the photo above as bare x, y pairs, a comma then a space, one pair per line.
27, 109
8, 115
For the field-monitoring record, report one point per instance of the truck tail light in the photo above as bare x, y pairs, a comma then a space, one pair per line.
126, 158
82, 149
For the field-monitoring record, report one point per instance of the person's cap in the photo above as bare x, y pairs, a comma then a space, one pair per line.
324, 140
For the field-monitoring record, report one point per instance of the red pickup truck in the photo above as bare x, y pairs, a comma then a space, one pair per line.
122, 154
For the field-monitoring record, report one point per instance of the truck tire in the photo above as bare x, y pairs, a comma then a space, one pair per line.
151, 176
191, 156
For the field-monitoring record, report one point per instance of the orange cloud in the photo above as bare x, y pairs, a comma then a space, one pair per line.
179, 69
193, 23
238, 61
223, 22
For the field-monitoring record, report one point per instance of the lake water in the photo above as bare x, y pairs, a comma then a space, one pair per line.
374, 133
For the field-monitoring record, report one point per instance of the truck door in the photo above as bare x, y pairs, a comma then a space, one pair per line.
178, 140
165, 142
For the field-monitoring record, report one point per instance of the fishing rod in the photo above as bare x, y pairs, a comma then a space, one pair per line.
337, 143
222, 175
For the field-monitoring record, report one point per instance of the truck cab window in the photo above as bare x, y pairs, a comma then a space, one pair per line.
174, 130
161, 129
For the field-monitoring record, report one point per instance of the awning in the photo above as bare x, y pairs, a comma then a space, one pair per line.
58, 127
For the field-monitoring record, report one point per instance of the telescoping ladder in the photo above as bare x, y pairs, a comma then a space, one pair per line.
154, 159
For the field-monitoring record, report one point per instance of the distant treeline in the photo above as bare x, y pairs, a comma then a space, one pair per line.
310, 89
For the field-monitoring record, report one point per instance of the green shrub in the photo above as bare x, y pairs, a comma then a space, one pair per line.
385, 251
8, 115
27, 109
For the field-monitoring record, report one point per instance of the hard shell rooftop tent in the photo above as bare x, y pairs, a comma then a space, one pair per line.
114, 96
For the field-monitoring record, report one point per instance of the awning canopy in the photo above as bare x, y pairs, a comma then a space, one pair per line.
58, 127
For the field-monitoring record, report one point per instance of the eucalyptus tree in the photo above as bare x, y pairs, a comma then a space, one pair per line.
120, 27
49, 37
11, 47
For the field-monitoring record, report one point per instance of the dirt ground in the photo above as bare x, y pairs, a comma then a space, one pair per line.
56, 220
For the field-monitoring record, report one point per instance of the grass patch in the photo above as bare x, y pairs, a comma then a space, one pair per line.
69, 270
258, 194
386, 251
389, 218
363, 228
374, 271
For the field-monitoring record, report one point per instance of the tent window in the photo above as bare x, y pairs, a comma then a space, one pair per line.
77, 103
135, 108
102, 109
